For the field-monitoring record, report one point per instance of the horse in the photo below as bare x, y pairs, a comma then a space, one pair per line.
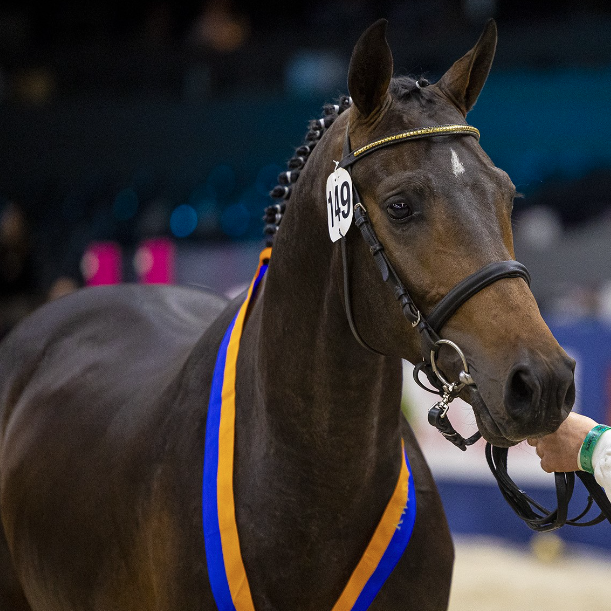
107, 394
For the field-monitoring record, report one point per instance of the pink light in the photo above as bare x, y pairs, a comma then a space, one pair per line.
154, 261
101, 264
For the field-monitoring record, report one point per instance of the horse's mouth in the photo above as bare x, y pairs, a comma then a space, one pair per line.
489, 428
497, 433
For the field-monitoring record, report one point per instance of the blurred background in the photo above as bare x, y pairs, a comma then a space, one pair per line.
139, 141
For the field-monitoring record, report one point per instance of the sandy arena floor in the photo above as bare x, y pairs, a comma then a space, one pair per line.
490, 575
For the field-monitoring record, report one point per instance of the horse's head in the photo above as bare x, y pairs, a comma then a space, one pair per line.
442, 210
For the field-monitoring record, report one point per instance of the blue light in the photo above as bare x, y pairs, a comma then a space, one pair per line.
183, 221
235, 220
125, 205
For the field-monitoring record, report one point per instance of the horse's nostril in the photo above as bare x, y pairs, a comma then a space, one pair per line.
520, 391
539, 392
519, 387
569, 397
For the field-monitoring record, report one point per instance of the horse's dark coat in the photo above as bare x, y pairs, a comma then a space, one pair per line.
107, 412
104, 393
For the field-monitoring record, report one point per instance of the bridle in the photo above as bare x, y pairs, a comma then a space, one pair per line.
532, 513
430, 325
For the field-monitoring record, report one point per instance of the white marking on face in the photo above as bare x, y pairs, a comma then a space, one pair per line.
457, 167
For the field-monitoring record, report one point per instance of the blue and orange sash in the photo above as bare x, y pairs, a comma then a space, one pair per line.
225, 566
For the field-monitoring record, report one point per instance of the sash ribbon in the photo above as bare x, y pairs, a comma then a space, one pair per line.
226, 571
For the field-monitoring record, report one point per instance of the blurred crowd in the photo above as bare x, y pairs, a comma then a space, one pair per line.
30, 274
62, 48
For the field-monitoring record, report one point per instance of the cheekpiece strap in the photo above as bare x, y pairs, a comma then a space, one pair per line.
428, 332
408, 307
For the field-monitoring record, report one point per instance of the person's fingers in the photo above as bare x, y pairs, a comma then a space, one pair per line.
545, 466
536, 443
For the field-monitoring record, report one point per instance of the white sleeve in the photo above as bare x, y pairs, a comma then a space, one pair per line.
601, 461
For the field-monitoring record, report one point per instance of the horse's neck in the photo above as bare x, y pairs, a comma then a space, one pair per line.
318, 439
315, 401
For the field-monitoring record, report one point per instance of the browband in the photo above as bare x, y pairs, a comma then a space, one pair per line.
412, 134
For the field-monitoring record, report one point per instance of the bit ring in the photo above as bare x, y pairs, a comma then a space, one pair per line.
464, 376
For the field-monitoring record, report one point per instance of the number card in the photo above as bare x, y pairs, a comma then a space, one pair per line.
339, 203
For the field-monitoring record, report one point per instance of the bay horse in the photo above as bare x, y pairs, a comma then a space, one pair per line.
106, 394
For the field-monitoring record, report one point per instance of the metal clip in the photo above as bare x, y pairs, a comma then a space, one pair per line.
449, 394
443, 406
438, 417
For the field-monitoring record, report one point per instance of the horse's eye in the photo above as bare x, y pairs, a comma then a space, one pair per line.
398, 210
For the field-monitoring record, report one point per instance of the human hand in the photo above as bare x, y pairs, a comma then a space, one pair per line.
559, 451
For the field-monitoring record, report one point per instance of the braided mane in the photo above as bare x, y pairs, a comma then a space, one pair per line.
400, 87
282, 192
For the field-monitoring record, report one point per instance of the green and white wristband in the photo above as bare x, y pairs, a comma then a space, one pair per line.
588, 445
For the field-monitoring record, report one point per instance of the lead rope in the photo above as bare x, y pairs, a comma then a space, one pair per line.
534, 515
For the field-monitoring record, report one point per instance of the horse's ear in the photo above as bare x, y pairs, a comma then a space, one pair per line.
463, 82
370, 69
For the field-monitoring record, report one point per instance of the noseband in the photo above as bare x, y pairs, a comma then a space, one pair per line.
532, 513
430, 325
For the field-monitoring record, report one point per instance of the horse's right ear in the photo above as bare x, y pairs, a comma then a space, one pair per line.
463, 82
370, 69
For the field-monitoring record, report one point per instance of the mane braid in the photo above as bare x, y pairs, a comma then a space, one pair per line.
282, 192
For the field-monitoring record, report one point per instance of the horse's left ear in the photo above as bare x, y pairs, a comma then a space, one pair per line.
370, 69
463, 82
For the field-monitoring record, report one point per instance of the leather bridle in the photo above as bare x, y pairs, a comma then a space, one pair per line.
532, 513
430, 325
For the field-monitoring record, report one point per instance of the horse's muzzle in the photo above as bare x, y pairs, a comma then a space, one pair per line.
539, 394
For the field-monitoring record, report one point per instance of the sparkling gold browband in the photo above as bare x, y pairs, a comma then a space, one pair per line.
419, 133
413, 134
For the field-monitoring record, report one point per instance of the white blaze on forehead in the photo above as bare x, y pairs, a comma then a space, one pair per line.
457, 167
